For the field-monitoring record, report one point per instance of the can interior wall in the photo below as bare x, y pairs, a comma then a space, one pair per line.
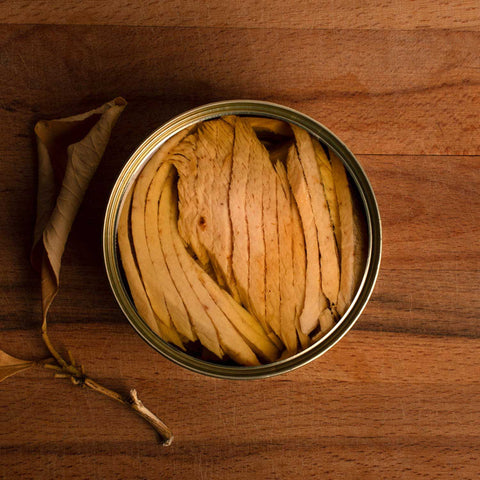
136, 163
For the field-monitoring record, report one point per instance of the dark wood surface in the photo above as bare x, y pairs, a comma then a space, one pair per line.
399, 396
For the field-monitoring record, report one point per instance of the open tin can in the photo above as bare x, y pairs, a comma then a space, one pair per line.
364, 195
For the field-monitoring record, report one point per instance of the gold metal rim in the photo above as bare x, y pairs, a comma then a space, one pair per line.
138, 160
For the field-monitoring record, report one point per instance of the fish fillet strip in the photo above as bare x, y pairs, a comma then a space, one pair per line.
347, 244
153, 269
326, 240
161, 325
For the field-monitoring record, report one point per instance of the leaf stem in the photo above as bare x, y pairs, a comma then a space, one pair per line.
77, 375
132, 401
51, 348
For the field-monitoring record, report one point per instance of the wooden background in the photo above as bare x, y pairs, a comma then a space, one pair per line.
399, 82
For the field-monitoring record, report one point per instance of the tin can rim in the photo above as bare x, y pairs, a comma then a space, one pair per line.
143, 154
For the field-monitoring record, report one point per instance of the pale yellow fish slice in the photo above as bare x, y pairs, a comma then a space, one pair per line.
266, 346
299, 265
360, 248
325, 167
184, 157
329, 260
201, 194
236, 202
315, 301
347, 246
197, 311
204, 163
304, 340
329, 186
254, 213
151, 264
214, 157
295, 281
230, 119
230, 340
272, 258
289, 300
270, 125
326, 320
298, 260
158, 277
161, 326
246, 216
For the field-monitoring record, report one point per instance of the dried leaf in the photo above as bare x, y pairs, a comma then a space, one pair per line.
69, 151
10, 365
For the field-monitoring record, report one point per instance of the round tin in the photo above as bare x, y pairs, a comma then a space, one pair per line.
142, 155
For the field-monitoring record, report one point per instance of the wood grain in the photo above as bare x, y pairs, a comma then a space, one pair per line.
399, 396
431, 253
369, 14
382, 92
430, 261
378, 405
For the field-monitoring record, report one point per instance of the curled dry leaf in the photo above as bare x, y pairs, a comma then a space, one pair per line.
10, 365
69, 151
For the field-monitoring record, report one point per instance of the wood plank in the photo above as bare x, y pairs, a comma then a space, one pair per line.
368, 460
393, 92
431, 249
369, 14
429, 207
388, 403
